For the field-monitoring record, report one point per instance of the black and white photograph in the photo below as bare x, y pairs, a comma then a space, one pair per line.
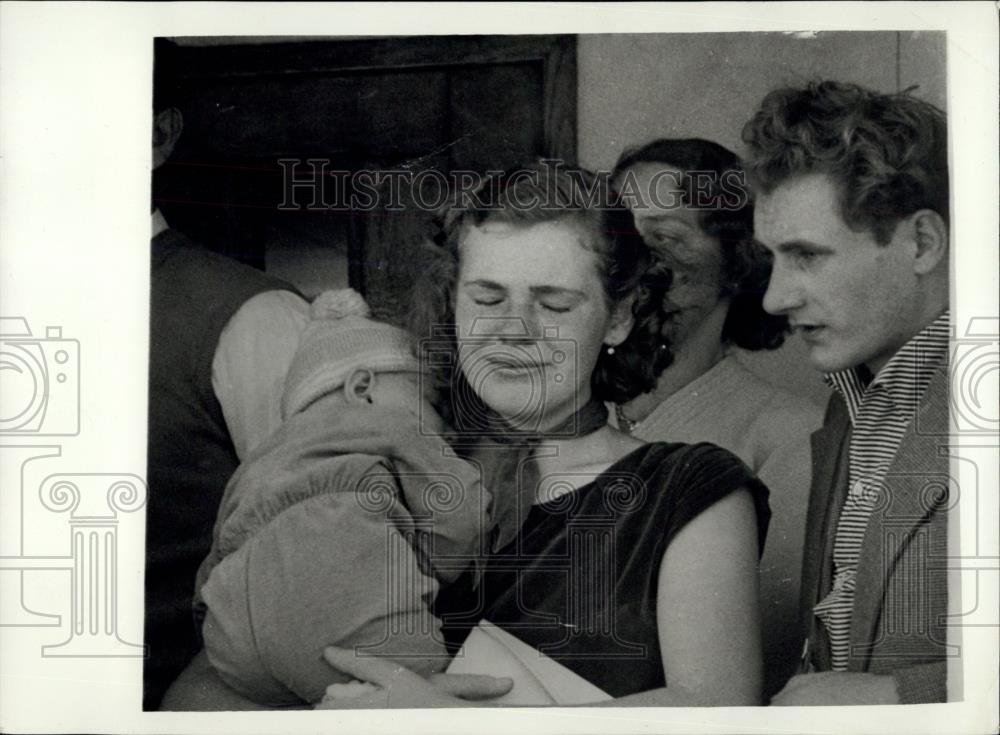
566, 358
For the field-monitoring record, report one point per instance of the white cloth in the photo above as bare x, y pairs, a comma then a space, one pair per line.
251, 360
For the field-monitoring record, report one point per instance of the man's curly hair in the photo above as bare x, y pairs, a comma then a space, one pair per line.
728, 218
524, 197
888, 153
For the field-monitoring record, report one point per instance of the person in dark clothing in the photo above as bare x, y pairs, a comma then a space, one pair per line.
222, 336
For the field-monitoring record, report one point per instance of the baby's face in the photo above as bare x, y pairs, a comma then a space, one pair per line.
397, 390
402, 390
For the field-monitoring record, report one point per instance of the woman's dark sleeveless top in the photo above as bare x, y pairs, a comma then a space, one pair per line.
580, 581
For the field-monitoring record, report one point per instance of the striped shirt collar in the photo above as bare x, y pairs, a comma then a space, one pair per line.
904, 377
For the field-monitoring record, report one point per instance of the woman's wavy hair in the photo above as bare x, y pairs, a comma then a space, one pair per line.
523, 197
888, 153
713, 174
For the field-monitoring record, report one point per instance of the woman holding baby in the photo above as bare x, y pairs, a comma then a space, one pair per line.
636, 564
657, 604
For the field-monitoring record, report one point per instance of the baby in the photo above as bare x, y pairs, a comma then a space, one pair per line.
340, 527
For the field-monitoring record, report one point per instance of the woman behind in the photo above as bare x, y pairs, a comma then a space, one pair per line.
636, 563
690, 204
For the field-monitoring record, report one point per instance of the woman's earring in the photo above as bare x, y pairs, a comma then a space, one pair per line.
611, 350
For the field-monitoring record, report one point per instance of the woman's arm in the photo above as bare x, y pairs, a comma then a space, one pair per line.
200, 689
708, 616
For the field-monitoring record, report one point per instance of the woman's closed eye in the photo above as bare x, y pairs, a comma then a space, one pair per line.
487, 300
485, 295
557, 300
556, 307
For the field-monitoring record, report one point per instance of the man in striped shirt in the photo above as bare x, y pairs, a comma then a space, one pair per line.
852, 190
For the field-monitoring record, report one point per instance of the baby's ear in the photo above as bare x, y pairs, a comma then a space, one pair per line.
358, 386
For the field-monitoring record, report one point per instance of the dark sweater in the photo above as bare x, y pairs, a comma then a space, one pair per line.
193, 295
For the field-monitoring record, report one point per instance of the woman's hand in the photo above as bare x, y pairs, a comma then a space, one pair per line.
395, 686
837, 687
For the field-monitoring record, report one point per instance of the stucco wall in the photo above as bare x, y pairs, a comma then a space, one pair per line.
636, 87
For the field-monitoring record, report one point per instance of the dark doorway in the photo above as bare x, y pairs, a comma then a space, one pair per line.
437, 103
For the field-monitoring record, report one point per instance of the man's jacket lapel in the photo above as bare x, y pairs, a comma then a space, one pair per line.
830, 445
914, 488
